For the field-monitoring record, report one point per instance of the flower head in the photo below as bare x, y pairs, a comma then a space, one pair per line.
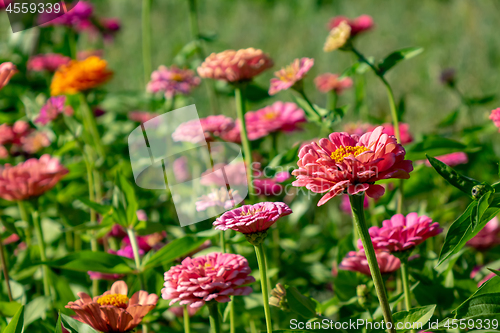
337, 37
77, 17
172, 81
349, 162
31, 178
80, 75
141, 116
357, 262
250, 219
211, 126
402, 233
21, 138
233, 66
404, 132
113, 311
495, 115
7, 70
47, 62
220, 198
487, 237
359, 24
451, 159
215, 276
52, 109
287, 77
330, 82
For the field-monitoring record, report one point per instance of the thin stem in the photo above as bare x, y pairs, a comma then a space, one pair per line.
222, 242
72, 44
253, 328
304, 96
135, 250
240, 110
358, 215
406, 284
232, 320
215, 323
5, 270
41, 244
24, 216
261, 260
331, 104
187, 326
90, 123
274, 144
146, 39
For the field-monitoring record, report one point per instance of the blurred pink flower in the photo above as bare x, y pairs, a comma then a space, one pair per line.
128, 252
328, 82
141, 215
77, 17
31, 178
181, 169
495, 114
351, 163
220, 198
345, 204
172, 81
357, 262
487, 237
215, 276
233, 66
34, 142
451, 159
117, 231
211, 126
402, 233
178, 311
287, 77
250, 219
52, 109
148, 242
269, 186
404, 132
20, 138
360, 24
10, 239
7, 70
358, 128
47, 62
141, 116
234, 173
82, 55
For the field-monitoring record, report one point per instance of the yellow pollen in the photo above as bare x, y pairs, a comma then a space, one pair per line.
250, 212
343, 152
118, 300
177, 77
270, 115
287, 74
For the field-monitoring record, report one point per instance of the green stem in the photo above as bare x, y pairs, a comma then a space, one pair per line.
187, 325
261, 260
406, 284
72, 44
135, 250
240, 110
222, 242
274, 144
253, 328
232, 319
215, 323
24, 216
358, 215
91, 124
41, 244
332, 99
304, 96
5, 270
146, 39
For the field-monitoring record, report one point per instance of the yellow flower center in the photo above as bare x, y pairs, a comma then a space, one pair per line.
343, 152
177, 77
287, 74
118, 300
250, 212
271, 115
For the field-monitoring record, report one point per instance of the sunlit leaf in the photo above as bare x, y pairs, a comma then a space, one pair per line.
397, 56
418, 316
93, 261
174, 250
16, 325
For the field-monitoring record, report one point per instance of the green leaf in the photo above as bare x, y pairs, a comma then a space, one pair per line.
36, 309
300, 304
16, 325
101, 209
480, 307
131, 205
58, 328
492, 286
174, 250
434, 146
255, 93
450, 119
75, 326
286, 158
397, 56
463, 183
359, 67
311, 115
9, 309
481, 100
93, 261
416, 315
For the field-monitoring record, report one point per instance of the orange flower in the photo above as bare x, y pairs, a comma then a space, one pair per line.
113, 311
80, 75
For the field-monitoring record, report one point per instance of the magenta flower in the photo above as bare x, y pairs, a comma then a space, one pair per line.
404, 132
219, 198
488, 237
77, 18
357, 262
402, 233
31, 178
351, 163
250, 219
211, 125
215, 276
452, 159
172, 81
331, 82
47, 62
495, 114
287, 77
7, 71
269, 186
358, 25
52, 109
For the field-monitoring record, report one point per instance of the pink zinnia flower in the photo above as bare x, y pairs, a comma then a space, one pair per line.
77, 17
360, 24
349, 162
404, 132
117, 231
31, 178
7, 70
181, 169
211, 125
269, 186
172, 81
488, 237
357, 262
451, 159
113, 311
141, 116
34, 142
219, 198
215, 276
250, 219
233, 66
402, 233
328, 82
47, 62
52, 109
358, 128
290, 75
495, 114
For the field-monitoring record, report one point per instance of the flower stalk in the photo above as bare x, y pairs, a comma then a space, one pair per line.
261, 260
214, 315
24, 216
187, 325
406, 285
41, 244
5, 270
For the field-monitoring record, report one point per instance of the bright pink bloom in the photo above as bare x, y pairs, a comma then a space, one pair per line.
349, 162
141, 116
233, 66
345, 205
269, 186
52, 109
47, 62
249, 219
172, 81
328, 82
495, 115
31, 178
288, 76
402, 233
452, 159
404, 132
77, 17
220, 198
357, 262
211, 125
215, 276
7, 70
360, 24
488, 237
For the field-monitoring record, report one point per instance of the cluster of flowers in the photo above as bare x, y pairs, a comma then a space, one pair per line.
20, 138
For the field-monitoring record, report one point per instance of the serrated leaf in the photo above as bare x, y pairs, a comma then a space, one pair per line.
16, 324
397, 56
416, 315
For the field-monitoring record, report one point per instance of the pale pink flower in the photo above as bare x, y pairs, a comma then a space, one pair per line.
359, 24
113, 311
234, 173
250, 219
219, 198
211, 126
181, 169
495, 114
52, 109
34, 142
451, 159
215, 276
487, 237
7, 70
233, 66
47, 62
358, 128
402, 233
172, 81
357, 262
141, 215
404, 132
287, 77
141, 116
331, 82
351, 163
31, 178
